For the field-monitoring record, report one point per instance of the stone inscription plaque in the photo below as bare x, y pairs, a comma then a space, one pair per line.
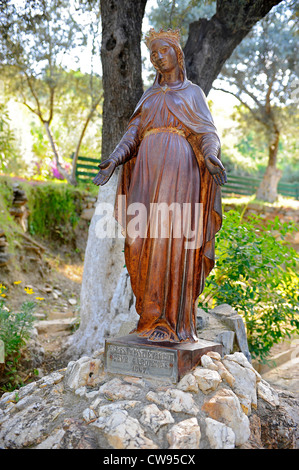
139, 357
141, 360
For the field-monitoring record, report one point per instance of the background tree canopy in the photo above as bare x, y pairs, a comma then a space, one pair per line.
260, 73
36, 37
228, 45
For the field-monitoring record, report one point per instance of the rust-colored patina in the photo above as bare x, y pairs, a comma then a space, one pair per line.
170, 154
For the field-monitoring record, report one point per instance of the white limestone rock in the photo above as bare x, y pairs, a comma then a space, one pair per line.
174, 400
188, 383
184, 435
29, 426
241, 359
81, 391
214, 355
219, 435
207, 362
106, 410
53, 441
85, 371
123, 432
88, 415
207, 380
154, 418
225, 407
224, 373
244, 385
115, 389
267, 393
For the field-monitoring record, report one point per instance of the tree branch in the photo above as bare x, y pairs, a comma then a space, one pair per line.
52, 91
211, 42
242, 102
38, 112
59, 167
242, 87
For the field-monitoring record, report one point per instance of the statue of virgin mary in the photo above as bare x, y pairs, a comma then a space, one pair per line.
170, 156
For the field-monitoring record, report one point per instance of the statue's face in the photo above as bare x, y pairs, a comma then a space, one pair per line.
163, 56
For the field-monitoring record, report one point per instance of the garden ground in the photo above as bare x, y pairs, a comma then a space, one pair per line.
53, 273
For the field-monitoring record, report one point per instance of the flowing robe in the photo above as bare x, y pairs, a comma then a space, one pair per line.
173, 131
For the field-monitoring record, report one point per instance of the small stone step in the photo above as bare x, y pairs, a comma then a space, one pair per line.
54, 326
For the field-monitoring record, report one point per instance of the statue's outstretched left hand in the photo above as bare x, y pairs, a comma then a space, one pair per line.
216, 169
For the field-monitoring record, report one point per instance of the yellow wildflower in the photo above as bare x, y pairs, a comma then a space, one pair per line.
28, 290
3, 295
2, 286
17, 282
39, 298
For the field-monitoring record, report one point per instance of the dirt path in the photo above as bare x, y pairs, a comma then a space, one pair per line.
53, 282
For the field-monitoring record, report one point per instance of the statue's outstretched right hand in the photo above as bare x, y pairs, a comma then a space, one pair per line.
107, 168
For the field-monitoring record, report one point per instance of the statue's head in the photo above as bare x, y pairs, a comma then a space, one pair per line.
166, 51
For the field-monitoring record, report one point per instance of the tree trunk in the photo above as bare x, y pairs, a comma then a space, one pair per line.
211, 42
103, 308
267, 190
121, 62
61, 170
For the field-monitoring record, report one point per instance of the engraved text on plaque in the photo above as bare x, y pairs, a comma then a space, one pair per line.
141, 361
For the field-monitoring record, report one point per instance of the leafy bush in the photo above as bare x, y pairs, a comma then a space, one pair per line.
256, 274
7, 222
14, 332
54, 210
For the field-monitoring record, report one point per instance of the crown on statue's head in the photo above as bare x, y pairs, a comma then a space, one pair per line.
173, 35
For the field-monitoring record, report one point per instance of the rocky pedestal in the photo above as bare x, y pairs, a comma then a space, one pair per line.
223, 403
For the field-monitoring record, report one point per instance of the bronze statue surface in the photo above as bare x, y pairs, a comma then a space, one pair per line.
170, 155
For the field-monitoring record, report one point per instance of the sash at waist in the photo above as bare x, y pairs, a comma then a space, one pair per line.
157, 130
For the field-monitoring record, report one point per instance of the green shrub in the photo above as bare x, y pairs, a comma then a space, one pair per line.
14, 332
256, 274
54, 210
7, 222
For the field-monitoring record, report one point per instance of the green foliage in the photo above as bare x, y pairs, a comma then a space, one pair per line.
14, 332
54, 210
10, 159
262, 73
172, 14
15, 327
41, 43
256, 274
6, 136
7, 223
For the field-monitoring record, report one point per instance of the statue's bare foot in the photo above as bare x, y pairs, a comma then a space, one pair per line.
159, 335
